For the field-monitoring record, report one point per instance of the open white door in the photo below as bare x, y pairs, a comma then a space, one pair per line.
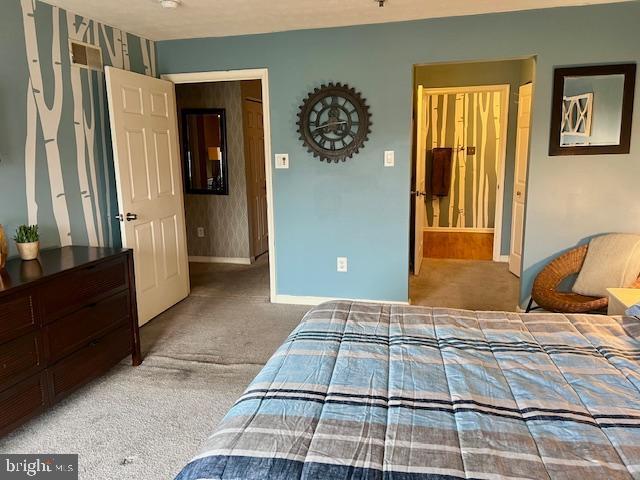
144, 130
520, 178
419, 187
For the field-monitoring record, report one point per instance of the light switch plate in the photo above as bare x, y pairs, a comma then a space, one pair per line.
342, 264
282, 160
389, 158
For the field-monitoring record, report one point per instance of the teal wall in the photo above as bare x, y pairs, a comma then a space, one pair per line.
360, 209
14, 77
511, 72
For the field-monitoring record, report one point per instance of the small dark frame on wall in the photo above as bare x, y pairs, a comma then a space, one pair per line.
204, 151
592, 110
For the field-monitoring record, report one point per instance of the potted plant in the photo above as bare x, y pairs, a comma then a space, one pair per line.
27, 241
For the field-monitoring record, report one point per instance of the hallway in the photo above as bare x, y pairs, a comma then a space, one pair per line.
468, 284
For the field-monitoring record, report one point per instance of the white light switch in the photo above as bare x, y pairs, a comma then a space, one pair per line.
282, 160
389, 158
342, 264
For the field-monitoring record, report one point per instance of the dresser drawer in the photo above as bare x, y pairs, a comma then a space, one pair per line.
17, 316
86, 285
77, 329
22, 401
89, 362
20, 358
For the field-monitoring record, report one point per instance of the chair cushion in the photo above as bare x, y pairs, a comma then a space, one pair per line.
612, 261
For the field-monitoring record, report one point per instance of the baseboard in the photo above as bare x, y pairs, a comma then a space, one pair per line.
235, 260
304, 300
502, 259
458, 229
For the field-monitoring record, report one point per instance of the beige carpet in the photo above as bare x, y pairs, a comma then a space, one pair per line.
146, 422
469, 284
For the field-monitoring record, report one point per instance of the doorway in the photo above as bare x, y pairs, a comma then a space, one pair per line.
463, 184
224, 131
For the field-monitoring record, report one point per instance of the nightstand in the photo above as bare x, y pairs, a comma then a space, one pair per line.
621, 299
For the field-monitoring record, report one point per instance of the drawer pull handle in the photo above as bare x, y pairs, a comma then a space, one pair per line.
93, 344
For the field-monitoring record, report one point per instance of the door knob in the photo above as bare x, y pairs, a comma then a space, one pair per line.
119, 216
419, 194
518, 194
131, 216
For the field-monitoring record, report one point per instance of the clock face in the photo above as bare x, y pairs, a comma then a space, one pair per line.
334, 122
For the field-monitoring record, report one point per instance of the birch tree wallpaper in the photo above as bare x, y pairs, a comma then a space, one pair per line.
56, 159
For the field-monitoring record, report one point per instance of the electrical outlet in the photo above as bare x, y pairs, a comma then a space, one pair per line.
282, 160
342, 264
200, 232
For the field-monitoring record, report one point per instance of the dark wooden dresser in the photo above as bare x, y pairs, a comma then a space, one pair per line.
65, 318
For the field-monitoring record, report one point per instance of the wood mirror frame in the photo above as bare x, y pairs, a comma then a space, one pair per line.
629, 72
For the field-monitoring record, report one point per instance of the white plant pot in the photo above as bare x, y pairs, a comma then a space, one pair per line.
28, 251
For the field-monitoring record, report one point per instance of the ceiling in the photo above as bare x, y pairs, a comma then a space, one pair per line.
218, 18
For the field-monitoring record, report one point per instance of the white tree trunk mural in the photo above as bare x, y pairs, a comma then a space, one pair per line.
460, 142
483, 188
30, 156
77, 28
89, 133
49, 117
435, 200
148, 56
475, 160
115, 49
125, 50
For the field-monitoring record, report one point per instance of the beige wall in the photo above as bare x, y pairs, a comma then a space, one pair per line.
224, 217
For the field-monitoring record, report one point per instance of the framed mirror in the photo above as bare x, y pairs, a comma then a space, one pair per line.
204, 151
592, 110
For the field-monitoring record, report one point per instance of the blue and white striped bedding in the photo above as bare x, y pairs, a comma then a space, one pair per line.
368, 392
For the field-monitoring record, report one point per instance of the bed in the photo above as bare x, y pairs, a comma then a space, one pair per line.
363, 392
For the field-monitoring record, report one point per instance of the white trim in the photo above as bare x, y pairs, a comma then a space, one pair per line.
261, 74
503, 259
459, 229
234, 260
303, 300
504, 110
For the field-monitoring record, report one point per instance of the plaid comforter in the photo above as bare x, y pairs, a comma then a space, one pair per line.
363, 392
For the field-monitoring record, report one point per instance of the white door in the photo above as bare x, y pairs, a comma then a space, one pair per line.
419, 187
144, 130
520, 178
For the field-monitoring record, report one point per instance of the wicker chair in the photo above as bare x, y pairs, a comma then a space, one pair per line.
545, 287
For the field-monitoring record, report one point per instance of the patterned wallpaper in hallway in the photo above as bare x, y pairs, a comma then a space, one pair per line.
224, 217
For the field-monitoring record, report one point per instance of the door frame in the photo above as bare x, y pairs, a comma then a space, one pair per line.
505, 90
261, 74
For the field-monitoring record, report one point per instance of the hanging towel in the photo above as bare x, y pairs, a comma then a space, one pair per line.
441, 164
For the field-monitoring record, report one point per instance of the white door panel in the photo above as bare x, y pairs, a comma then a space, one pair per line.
145, 140
520, 178
419, 186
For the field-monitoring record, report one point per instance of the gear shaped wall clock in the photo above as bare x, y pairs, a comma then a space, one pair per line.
334, 122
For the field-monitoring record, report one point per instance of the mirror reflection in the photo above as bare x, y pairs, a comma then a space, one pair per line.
204, 151
592, 110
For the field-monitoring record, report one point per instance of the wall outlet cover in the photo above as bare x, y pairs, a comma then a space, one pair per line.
200, 232
282, 160
342, 264
389, 158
